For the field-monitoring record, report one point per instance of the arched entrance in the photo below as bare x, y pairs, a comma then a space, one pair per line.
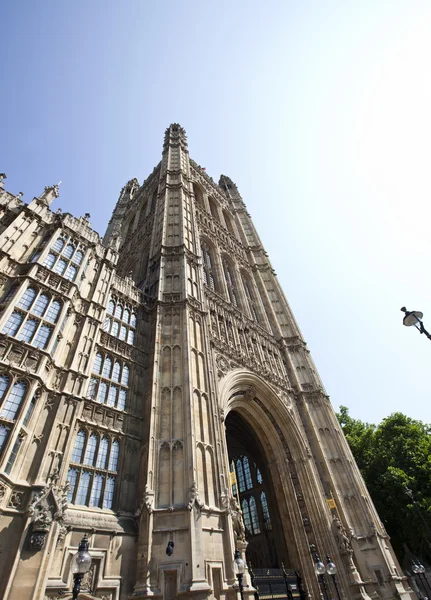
255, 490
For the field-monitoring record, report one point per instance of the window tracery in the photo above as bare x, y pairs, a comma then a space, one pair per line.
110, 387
64, 257
230, 283
121, 322
207, 260
23, 324
93, 469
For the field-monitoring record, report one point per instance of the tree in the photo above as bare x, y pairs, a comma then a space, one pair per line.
394, 456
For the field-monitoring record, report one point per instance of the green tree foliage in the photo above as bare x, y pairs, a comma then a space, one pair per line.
394, 456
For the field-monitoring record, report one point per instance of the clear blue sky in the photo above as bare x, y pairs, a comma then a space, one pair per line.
319, 111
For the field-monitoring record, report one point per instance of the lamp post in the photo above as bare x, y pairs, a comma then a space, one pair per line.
320, 572
419, 570
80, 565
331, 569
239, 568
414, 318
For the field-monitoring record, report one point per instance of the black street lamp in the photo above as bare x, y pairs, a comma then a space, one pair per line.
80, 565
414, 318
320, 572
331, 569
419, 570
239, 568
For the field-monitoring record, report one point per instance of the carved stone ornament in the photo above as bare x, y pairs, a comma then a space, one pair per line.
237, 521
193, 497
250, 392
341, 537
147, 502
47, 505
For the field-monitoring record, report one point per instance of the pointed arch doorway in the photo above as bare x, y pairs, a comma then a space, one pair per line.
258, 498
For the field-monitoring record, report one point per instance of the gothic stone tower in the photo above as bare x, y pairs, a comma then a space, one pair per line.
136, 372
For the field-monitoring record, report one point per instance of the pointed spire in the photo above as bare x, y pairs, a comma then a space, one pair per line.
2, 177
49, 194
174, 135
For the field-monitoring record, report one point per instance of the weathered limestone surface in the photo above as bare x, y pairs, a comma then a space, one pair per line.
122, 362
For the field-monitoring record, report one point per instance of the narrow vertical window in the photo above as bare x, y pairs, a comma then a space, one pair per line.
71, 273
92, 388
118, 311
102, 455
248, 480
96, 490
90, 451
97, 363
13, 455
68, 251
121, 400
125, 375
4, 382
240, 475
40, 305
13, 401
58, 245
60, 266
49, 260
265, 510
103, 390
42, 337
77, 259
113, 457
29, 412
72, 476
109, 492
208, 267
53, 311
79, 446
230, 283
246, 515
27, 330
254, 516
126, 315
111, 307
13, 323
84, 483
4, 432
107, 368
116, 372
27, 298
133, 320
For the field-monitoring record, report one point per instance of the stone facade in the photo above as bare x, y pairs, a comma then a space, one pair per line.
134, 371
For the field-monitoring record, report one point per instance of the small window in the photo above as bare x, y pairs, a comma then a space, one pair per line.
40, 305
58, 245
27, 298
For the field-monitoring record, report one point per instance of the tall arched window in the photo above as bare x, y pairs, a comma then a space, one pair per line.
110, 385
250, 298
265, 510
230, 282
13, 401
79, 446
208, 266
214, 209
40, 305
89, 480
90, 451
228, 222
198, 195
254, 516
246, 515
27, 298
